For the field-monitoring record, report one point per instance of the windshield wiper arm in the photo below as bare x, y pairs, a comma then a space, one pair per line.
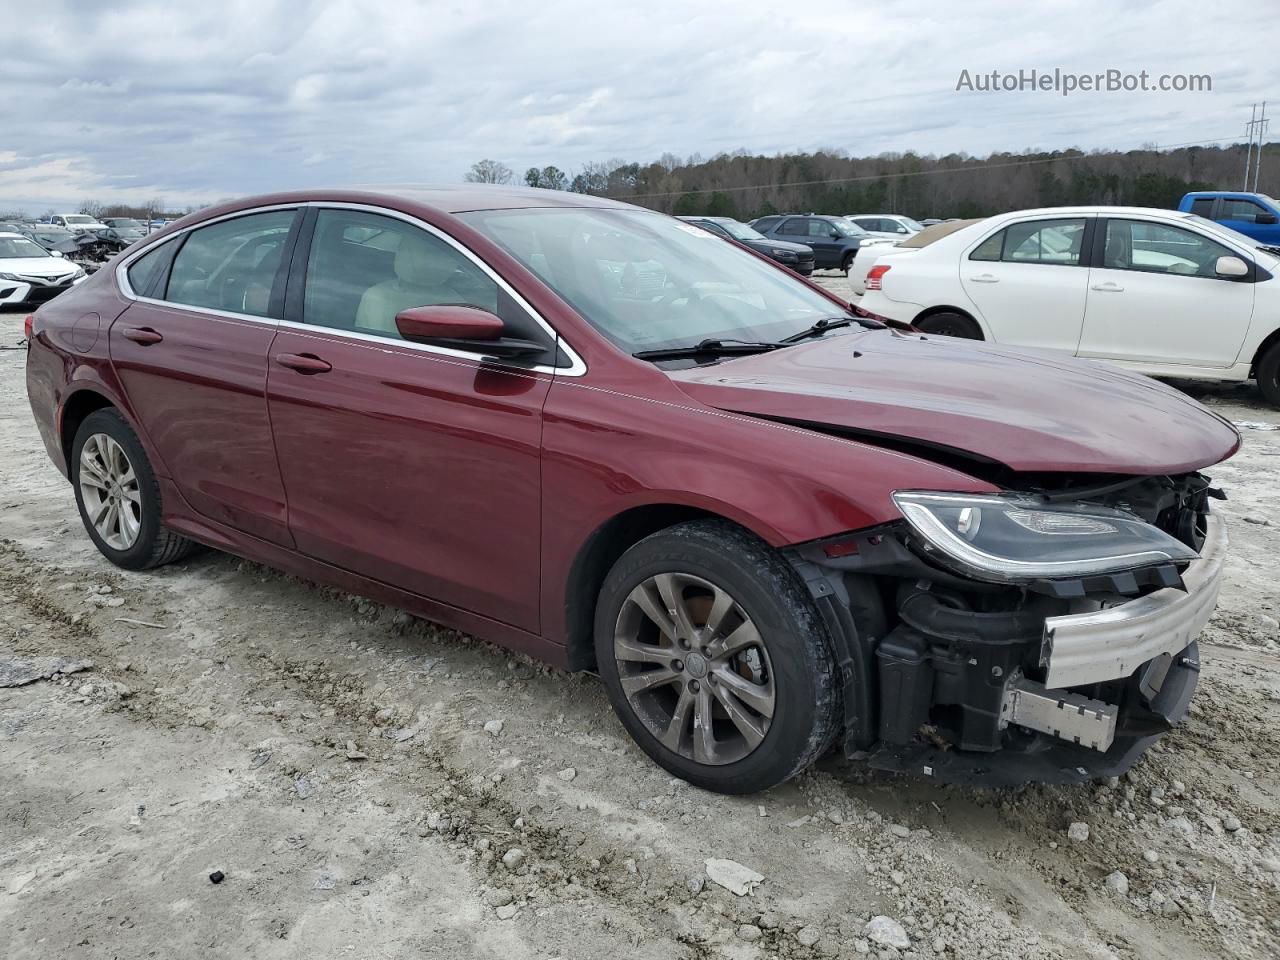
831, 323
709, 348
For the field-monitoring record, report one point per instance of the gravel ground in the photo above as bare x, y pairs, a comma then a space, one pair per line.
366, 785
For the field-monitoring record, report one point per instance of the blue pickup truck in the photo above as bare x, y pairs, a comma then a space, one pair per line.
1253, 214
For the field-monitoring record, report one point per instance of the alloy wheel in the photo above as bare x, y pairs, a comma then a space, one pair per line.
694, 668
110, 492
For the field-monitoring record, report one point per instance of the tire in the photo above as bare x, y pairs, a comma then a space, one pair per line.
950, 324
1268, 374
847, 263
136, 539
784, 688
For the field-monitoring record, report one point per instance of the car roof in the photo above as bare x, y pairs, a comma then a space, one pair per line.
11, 233
444, 198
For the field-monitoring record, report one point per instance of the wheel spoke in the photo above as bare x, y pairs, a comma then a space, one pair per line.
721, 604
89, 464
673, 738
111, 522
673, 596
746, 635
752, 728
704, 738
88, 479
647, 600
99, 514
758, 696
129, 524
648, 680
637, 651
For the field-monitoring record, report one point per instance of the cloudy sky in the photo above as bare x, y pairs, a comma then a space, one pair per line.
193, 102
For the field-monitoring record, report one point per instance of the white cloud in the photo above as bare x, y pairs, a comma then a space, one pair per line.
135, 99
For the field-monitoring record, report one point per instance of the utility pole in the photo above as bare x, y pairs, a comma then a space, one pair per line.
1257, 126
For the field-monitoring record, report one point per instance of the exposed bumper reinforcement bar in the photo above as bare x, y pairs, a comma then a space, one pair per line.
1111, 643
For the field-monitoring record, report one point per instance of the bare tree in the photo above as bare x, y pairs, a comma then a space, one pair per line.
92, 208
489, 171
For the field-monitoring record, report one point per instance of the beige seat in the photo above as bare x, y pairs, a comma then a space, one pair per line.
423, 271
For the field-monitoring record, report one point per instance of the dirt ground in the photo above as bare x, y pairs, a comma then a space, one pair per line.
373, 787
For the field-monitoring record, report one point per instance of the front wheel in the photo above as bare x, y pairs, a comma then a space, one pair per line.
715, 658
118, 496
1268, 373
847, 263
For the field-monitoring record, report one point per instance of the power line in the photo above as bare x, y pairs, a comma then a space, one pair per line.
908, 173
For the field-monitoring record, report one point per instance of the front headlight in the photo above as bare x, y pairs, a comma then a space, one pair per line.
1022, 538
10, 276
783, 254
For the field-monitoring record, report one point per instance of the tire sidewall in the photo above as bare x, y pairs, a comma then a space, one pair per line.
112, 424
1268, 376
971, 328
799, 655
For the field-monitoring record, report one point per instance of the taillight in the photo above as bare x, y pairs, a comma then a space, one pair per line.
26, 326
874, 276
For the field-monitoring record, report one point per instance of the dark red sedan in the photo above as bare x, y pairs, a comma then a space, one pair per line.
601, 436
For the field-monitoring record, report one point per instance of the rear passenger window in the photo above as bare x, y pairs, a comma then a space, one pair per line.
364, 268
142, 273
231, 265
1044, 241
796, 226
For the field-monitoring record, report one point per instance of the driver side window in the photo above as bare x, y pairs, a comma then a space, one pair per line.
1155, 248
231, 265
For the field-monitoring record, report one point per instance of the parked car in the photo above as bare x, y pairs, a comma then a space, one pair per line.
1133, 285
47, 235
77, 222
123, 235
1253, 214
797, 256
835, 241
590, 433
128, 226
30, 274
890, 225
876, 255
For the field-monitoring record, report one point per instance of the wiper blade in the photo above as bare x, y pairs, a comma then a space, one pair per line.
831, 323
709, 348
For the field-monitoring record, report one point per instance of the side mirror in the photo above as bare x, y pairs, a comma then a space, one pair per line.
462, 328
835, 234
55, 253
1266, 219
1231, 267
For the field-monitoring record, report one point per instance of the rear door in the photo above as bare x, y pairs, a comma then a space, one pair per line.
191, 353
1155, 297
1029, 282
414, 465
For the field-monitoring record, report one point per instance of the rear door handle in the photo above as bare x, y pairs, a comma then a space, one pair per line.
143, 335
303, 362
1107, 287
985, 278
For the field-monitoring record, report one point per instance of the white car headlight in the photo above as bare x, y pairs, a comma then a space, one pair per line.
1022, 538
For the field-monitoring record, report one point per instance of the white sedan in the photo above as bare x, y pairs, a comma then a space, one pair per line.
31, 274
1165, 293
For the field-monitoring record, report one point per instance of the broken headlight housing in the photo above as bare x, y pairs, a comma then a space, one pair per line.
1020, 538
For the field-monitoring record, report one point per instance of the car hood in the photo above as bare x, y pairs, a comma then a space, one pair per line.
768, 243
1028, 410
37, 266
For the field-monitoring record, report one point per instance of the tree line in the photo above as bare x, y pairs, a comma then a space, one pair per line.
744, 185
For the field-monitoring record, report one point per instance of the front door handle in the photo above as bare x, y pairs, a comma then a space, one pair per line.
985, 278
141, 335
1108, 287
303, 362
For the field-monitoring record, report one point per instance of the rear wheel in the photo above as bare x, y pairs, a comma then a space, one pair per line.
847, 263
1268, 373
715, 659
950, 324
118, 496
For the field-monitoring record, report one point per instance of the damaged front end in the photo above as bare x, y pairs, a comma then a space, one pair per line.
1043, 634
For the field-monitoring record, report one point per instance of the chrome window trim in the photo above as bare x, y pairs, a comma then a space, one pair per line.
576, 367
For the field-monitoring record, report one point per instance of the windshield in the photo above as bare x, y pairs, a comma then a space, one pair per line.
648, 282
75, 219
124, 224
20, 248
847, 228
740, 231
910, 224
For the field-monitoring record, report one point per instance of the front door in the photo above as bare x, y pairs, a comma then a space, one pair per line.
1028, 282
1157, 298
416, 466
191, 354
